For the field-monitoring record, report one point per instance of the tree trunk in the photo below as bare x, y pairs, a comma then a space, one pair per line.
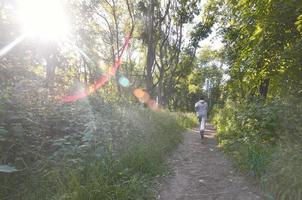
50, 71
263, 89
151, 44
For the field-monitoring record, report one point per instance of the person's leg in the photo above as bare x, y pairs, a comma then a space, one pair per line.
202, 123
202, 126
199, 119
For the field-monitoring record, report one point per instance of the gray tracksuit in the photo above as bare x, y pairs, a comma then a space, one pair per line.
201, 108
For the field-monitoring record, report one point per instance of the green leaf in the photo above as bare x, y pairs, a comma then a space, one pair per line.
7, 169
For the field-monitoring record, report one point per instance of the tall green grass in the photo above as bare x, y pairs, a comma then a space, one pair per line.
264, 139
128, 174
117, 155
186, 120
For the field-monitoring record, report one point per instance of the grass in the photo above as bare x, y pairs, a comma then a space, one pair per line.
264, 141
122, 163
129, 175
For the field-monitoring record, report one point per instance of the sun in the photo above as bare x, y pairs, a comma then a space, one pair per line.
44, 19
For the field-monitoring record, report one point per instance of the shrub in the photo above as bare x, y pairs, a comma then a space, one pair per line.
89, 150
264, 140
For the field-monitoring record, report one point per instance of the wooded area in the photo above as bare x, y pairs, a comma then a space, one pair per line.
93, 93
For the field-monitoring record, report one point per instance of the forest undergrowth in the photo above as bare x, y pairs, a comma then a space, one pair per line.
84, 150
264, 140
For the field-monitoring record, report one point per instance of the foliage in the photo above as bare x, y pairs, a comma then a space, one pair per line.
261, 46
204, 80
126, 176
263, 140
260, 122
170, 56
186, 120
105, 146
284, 169
90, 149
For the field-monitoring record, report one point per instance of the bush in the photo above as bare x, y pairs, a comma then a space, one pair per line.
186, 119
262, 139
283, 178
89, 150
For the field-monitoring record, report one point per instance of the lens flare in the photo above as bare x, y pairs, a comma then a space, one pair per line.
102, 80
152, 104
141, 95
124, 81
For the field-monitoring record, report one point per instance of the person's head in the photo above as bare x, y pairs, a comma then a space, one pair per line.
201, 98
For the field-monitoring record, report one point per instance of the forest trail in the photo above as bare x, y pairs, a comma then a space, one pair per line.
201, 172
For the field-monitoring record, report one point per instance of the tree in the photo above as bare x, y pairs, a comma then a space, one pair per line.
262, 42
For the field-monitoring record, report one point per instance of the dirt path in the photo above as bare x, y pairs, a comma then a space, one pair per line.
201, 172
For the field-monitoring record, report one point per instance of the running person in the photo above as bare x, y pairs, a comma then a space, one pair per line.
201, 108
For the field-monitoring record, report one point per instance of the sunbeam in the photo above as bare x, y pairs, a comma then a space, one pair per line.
80, 51
11, 45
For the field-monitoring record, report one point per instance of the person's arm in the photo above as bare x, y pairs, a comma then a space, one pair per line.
196, 107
